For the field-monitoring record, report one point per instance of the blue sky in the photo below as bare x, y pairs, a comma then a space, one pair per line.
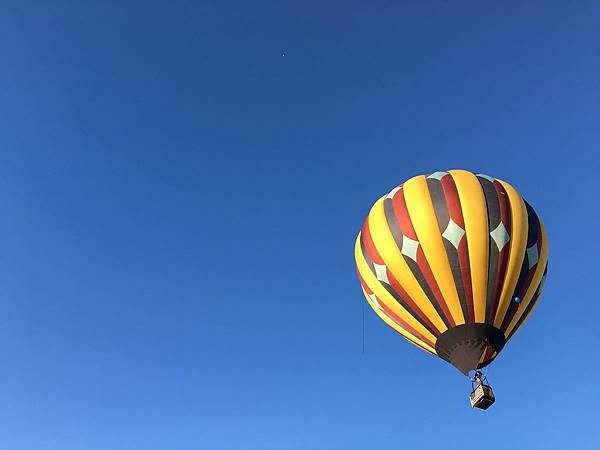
180, 187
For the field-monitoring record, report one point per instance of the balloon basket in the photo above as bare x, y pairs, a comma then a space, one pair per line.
482, 396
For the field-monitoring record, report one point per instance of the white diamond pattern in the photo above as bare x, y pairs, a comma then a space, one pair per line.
393, 192
381, 272
453, 233
374, 299
500, 236
532, 255
487, 177
437, 175
542, 283
410, 247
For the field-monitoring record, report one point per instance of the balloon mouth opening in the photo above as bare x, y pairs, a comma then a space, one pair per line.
464, 345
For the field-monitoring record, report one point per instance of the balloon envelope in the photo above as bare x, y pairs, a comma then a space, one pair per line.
455, 262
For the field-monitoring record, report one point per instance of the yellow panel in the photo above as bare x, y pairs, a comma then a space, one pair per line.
537, 277
413, 339
474, 209
395, 262
518, 242
422, 214
384, 296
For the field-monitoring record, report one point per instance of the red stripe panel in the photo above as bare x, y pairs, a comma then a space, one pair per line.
401, 212
370, 246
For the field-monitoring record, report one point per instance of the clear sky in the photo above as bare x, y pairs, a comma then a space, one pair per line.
180, 189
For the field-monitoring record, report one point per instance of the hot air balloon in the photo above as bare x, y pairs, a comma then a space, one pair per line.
455, 262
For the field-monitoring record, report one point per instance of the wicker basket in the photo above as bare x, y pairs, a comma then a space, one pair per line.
482, 397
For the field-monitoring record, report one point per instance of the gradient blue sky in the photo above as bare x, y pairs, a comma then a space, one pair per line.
180, 187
